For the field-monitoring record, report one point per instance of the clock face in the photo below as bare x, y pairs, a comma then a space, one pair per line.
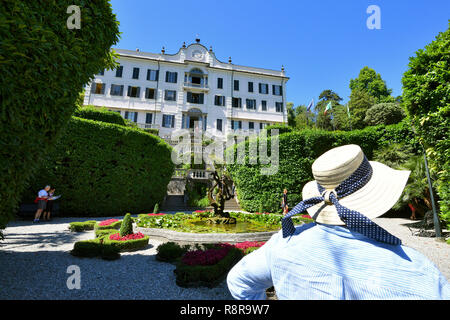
197, 54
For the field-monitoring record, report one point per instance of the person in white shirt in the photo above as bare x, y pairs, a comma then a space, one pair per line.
41, 200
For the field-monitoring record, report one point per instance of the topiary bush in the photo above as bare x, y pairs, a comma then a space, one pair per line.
44, 68
127, 226
170, 251
104, 169
156, 208
104, 232
99, 114
128, 245
297, 152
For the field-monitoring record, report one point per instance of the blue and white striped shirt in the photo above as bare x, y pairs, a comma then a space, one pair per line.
331, 262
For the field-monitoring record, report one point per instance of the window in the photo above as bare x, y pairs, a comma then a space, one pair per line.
251, 125
149, 93
219, 124
132, 116
262, 125
219, 100
98, 88
152, 75
193, 97
116, 90
251, 104
171, 77
148, 118
134, 92
219, 83
135, 73
276, 90
236, 85
263, 105
263, 88
250, 87
237, 103
236, 125
168, 121
102, 73
170, 95
279, 106
119, 72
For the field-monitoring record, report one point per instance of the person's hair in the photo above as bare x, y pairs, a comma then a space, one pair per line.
285, 190
47, 186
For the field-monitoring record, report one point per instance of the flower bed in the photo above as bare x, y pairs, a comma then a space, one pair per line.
133, 236
204, 273
155, 214
130, 244
108, 224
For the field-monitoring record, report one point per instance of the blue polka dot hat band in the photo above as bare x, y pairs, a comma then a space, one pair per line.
354, 220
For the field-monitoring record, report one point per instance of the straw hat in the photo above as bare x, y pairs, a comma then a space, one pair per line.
375, 198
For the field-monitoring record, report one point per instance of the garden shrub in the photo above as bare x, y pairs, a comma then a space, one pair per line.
206, 275
82, 226
152, 131
127, 226
104, 169
44, 68
99, 114
170, 251
104, 232
87, 248
156, 208
110, 252
426, 96
384, 113
128, 245
297, 152
114, 225
280, 127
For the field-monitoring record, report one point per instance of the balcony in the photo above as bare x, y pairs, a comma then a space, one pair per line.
196, 86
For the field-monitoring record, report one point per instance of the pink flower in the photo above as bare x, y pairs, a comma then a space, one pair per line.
155, 214
107, 222
133, 236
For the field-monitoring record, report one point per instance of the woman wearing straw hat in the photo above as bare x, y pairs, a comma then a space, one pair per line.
343, 254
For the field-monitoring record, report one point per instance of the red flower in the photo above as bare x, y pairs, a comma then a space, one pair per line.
107, 222
207, 257
133, 236
155, 214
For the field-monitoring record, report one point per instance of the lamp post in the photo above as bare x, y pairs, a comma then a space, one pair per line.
437, 227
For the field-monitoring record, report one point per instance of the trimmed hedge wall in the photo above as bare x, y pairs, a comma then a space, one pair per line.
82, 226
297, 152
104, 169
44, 68
99, 114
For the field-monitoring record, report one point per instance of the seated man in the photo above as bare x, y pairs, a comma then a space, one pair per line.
343, 254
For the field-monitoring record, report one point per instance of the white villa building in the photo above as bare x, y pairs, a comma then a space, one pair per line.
190, 89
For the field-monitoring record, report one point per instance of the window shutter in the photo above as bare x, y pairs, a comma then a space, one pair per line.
157, 75
148, 118
240, 124
167, 76
189, 96
176, 77
138, 92
126, 114
201, 98
173, 121
103, 88
148, 74
121, 90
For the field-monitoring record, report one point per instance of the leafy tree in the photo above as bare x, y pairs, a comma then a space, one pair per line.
323, 121
426, 96
44, 68
360, 102
304, 119
384, 113
291, 114
367, 89
372, 83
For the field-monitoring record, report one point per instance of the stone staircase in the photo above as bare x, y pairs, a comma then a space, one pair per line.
232, 205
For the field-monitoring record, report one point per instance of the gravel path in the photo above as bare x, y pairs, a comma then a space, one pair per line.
34, 259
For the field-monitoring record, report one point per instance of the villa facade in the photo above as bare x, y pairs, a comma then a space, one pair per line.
191, 89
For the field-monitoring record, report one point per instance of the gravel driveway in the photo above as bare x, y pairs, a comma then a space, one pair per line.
34, 259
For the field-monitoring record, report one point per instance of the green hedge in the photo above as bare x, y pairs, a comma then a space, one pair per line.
104, 232
44, 67
82, 226
297, 152
426, 95
170, 251
95, 248
209, 276
99, 114
104, 169
115, 225
128, 245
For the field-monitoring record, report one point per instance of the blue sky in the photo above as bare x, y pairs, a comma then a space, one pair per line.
322, 44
